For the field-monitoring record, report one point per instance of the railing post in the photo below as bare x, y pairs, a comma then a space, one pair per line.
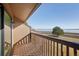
48, 47
30, 37
53, 48
42, 47
45, 47
75, 52
17, 44
61, 50
57, 49
67, 50
21, 42
26, 40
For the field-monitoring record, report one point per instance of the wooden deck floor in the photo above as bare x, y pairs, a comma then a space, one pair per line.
28, 50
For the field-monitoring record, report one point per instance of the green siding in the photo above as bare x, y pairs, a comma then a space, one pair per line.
7, 19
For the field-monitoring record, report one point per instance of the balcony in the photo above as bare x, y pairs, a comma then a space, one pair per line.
36, 44
17, 39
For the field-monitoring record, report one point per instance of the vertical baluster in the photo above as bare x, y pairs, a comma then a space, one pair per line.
61, 50
75, 52
48, 47
20, 42
26, 39
17, 44
30, 37
45, 46
23, 41
42, 47
53, 48
57, 49
67, 50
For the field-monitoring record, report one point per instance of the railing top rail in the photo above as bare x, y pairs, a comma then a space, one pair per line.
58, 40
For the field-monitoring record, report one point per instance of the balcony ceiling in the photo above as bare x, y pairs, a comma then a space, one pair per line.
20, 11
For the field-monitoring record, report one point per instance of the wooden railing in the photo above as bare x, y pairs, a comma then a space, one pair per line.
49, 46
24, 40
53, 46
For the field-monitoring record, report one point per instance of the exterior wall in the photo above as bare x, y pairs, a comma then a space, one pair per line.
7, 34
20, 32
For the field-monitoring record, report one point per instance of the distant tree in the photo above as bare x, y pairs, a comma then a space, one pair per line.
57, 31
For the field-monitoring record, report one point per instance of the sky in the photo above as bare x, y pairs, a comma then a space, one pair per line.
49, 15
